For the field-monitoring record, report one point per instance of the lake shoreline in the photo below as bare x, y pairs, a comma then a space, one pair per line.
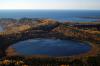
92, 52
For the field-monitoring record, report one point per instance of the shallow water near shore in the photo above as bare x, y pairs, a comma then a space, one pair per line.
50, 47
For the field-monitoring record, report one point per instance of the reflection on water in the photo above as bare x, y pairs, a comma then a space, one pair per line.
50, 47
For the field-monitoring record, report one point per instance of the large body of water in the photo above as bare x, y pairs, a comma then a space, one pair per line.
63, 15
50, 47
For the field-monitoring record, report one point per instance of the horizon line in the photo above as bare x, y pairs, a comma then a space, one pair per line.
49, 9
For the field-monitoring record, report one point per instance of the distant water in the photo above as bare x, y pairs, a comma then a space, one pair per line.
62, 15
50, 47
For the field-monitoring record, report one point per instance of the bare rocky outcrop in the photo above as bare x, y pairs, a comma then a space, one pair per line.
11, 52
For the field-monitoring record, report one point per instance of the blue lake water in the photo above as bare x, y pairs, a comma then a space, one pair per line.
62, 15
50, 47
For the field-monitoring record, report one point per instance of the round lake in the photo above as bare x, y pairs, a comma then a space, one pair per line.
50, 47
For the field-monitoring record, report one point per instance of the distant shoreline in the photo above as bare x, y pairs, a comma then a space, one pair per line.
91, 17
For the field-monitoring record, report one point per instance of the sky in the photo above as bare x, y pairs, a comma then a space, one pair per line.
50, 4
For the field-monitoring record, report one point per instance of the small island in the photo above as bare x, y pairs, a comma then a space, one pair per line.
16, 30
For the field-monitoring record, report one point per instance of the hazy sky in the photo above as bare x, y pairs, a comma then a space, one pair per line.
50, 4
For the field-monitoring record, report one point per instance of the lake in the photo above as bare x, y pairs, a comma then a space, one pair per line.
50, 47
